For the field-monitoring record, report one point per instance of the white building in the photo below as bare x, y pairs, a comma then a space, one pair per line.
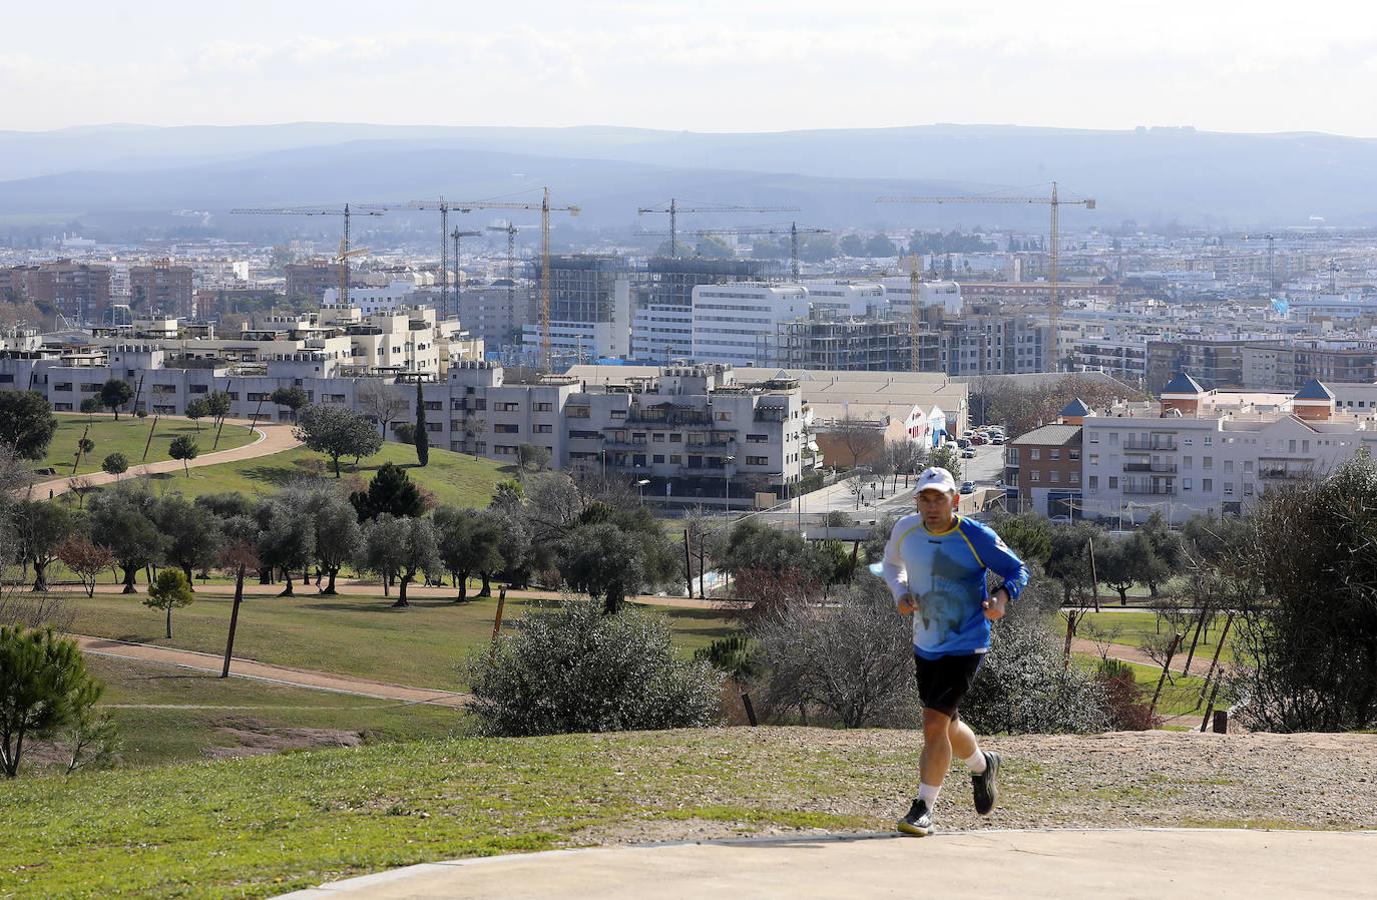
944, 294
739, 323
662, 333
846, 299
369, 300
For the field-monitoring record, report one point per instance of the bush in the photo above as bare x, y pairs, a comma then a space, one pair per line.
1025, 686
851, 661
1126, 708
576, 669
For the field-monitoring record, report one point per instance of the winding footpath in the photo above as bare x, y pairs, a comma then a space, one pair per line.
248, 668
272, 438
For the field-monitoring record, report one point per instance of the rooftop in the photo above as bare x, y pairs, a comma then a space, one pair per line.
1049, 436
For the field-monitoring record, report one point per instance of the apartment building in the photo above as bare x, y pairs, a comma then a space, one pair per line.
993, 345
739, 323
161, 287
590, 310
877, 345
311, 280
78, 291
1042, 469
662, 321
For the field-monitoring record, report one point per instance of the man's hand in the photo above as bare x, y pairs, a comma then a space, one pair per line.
994, 606
907, 604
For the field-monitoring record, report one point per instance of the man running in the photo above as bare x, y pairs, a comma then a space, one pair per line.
935, 564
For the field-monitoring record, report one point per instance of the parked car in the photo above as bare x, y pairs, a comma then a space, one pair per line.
963, 443
968, 487
979, 439
997, 441
968, 453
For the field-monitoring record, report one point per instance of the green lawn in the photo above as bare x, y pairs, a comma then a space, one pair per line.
1180, 693
169, 714
449, 478
129, 436
262, 826
1133, 628
350, 635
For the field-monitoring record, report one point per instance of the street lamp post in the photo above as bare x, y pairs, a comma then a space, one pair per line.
640, 488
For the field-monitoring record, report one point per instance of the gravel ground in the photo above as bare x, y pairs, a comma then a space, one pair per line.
1116, 780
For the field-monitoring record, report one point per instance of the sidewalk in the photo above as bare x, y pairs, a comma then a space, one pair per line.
1067, 865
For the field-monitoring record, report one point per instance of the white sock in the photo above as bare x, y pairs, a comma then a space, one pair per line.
976, 762
928, 794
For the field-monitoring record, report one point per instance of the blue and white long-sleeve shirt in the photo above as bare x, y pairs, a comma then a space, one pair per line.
946, 573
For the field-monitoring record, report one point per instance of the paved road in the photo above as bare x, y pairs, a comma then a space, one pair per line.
247, 668
1067, 865
271, 439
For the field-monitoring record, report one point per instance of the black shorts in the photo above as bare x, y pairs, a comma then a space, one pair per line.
942, 682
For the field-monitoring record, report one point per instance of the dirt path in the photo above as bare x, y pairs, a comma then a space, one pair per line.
271, 439
247, 668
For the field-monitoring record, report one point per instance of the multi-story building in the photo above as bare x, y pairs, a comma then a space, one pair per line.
78, 291
993, 345
1042, 469
846, 299
881, 345
590, 309
662, 324
496, 313
370, 300
161, 287
312, 279
739, 323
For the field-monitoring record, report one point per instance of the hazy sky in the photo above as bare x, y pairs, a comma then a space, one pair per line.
709, 65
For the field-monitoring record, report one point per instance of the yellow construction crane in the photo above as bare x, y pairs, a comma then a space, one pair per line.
674, 209
1055, 202
344, 251
545, 210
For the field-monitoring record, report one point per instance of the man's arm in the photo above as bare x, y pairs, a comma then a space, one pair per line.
998, 558
892, 567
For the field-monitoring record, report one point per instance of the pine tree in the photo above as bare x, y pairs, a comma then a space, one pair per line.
422, 437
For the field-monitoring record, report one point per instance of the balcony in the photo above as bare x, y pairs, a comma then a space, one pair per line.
771, 414
1158, 490
1281, 473
1162, 442
1157, 467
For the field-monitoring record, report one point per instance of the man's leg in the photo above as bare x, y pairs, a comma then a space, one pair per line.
963, 743
937, 747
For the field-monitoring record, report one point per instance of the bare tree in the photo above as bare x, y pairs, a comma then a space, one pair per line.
864, 441
378, 400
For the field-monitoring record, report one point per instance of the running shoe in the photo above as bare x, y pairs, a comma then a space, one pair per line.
918, 821
986, 784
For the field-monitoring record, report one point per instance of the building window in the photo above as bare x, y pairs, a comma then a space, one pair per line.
1035, 475
576, 412
1072, 454
1229, 488
1207, 462
1054, 476
675, 459
1207, 485
757, 438
543, 407
507, 407
1054, 453
1114, 438
617, 414
1185, 484
1113, 482
1094, 437
1034, 453
506, 428
658, 458
543, 429
757, 460
1094, 483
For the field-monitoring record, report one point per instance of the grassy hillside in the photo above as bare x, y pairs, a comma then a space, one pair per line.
128, 436
450, 478
266, 825
351, 635
169, 714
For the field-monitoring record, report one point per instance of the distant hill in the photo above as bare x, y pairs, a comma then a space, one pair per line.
1151, 175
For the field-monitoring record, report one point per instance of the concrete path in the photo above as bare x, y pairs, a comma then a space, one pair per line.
272, 438
1068, 865
247, 668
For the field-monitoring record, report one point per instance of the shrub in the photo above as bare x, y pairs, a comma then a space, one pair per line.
849, 661
1125, 706
576, 669
1026, 687
737, 656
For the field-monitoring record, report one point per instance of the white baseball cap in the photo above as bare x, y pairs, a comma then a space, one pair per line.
936, 479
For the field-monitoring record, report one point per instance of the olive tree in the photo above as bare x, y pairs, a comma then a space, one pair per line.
336, 431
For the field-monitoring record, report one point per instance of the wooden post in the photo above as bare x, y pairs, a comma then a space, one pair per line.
1215, 662
750, 708
1166, 667
1199, 625
1221, 721
688, 562
1094, 580
149, 443
497, 623
1072, 617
